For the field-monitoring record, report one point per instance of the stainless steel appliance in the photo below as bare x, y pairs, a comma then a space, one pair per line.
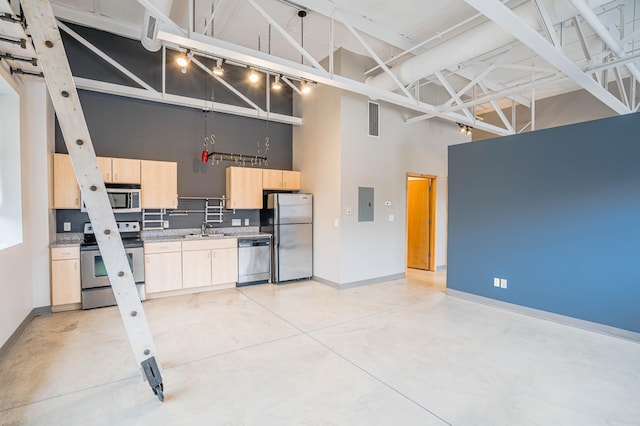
289, 217
254, 259
96, 288
124, 198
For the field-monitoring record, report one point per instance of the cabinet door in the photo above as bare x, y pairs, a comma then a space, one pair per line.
125, 170
291, 180
159, 184
271, 179
66, 192
104, 164
196, 268
162, 272
244, 188
65, 282
224, 266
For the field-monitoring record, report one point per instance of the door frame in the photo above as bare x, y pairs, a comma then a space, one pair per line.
433, 180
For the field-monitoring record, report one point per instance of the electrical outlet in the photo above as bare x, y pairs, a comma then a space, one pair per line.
336, 222
349, 211
236, 222
496, 282
67, 226
166, 224
246, 222
391, 218
503, 283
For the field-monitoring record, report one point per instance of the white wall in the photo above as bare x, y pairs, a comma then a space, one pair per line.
336, 156
378, 249
24, 281
316, 152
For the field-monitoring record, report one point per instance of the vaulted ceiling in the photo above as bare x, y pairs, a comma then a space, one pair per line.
481, 54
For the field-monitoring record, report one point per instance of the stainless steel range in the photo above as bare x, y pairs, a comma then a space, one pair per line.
96, 288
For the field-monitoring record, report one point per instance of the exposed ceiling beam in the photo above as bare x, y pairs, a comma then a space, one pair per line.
220, 48
89, 19
510, 22
494, 86
166, 98
359, 22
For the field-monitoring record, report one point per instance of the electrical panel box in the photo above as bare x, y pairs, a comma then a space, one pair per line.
365, 204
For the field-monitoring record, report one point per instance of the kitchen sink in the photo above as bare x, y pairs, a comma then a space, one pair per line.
203, 236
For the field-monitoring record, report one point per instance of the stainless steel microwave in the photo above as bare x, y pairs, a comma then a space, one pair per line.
124, 198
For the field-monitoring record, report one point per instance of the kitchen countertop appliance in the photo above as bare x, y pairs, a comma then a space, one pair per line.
254, 260
96, 288
289, 217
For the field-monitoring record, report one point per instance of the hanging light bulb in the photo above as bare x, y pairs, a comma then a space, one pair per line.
305, 87
276, 85
253, 76
469, 131
183, 59
218, 70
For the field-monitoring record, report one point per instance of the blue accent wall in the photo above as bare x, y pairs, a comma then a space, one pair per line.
556, 212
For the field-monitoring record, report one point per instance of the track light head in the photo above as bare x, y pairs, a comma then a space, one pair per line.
276, 85
305, 88
183, 59
218, 70
253, 76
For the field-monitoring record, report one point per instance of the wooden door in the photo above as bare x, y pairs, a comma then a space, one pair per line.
162, 272
244, 188
418, 229
291, 180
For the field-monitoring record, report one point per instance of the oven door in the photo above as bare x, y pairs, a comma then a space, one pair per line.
94, 273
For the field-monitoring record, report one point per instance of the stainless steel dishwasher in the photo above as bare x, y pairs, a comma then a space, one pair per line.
254, 260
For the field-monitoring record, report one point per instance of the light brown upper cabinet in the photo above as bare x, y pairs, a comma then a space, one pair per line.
244, 188
119, 170
66, 192
159, 184
280, 179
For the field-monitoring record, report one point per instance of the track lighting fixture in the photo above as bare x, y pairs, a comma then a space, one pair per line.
276, 85
183, 59
464, 129
253, 76
305, 87
218, 70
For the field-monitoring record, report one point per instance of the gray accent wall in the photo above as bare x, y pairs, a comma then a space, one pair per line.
132, 128
555, 213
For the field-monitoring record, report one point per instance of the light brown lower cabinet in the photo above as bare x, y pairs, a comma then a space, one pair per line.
65, 278
206, 264
162, 266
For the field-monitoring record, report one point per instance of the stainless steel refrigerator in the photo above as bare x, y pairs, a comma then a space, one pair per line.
289, 217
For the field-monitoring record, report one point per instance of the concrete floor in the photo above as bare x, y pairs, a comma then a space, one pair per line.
396, 353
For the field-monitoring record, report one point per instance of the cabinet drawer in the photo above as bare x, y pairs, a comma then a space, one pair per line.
209, 244
63, 253
166, 247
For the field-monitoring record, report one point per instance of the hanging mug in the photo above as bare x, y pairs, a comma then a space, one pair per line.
205, 156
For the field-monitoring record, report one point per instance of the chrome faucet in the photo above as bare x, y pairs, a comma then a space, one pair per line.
204, 228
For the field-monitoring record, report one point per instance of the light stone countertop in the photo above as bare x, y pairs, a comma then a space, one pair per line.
73, 239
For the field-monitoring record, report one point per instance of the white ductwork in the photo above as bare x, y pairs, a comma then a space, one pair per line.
150, 25
477, 41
